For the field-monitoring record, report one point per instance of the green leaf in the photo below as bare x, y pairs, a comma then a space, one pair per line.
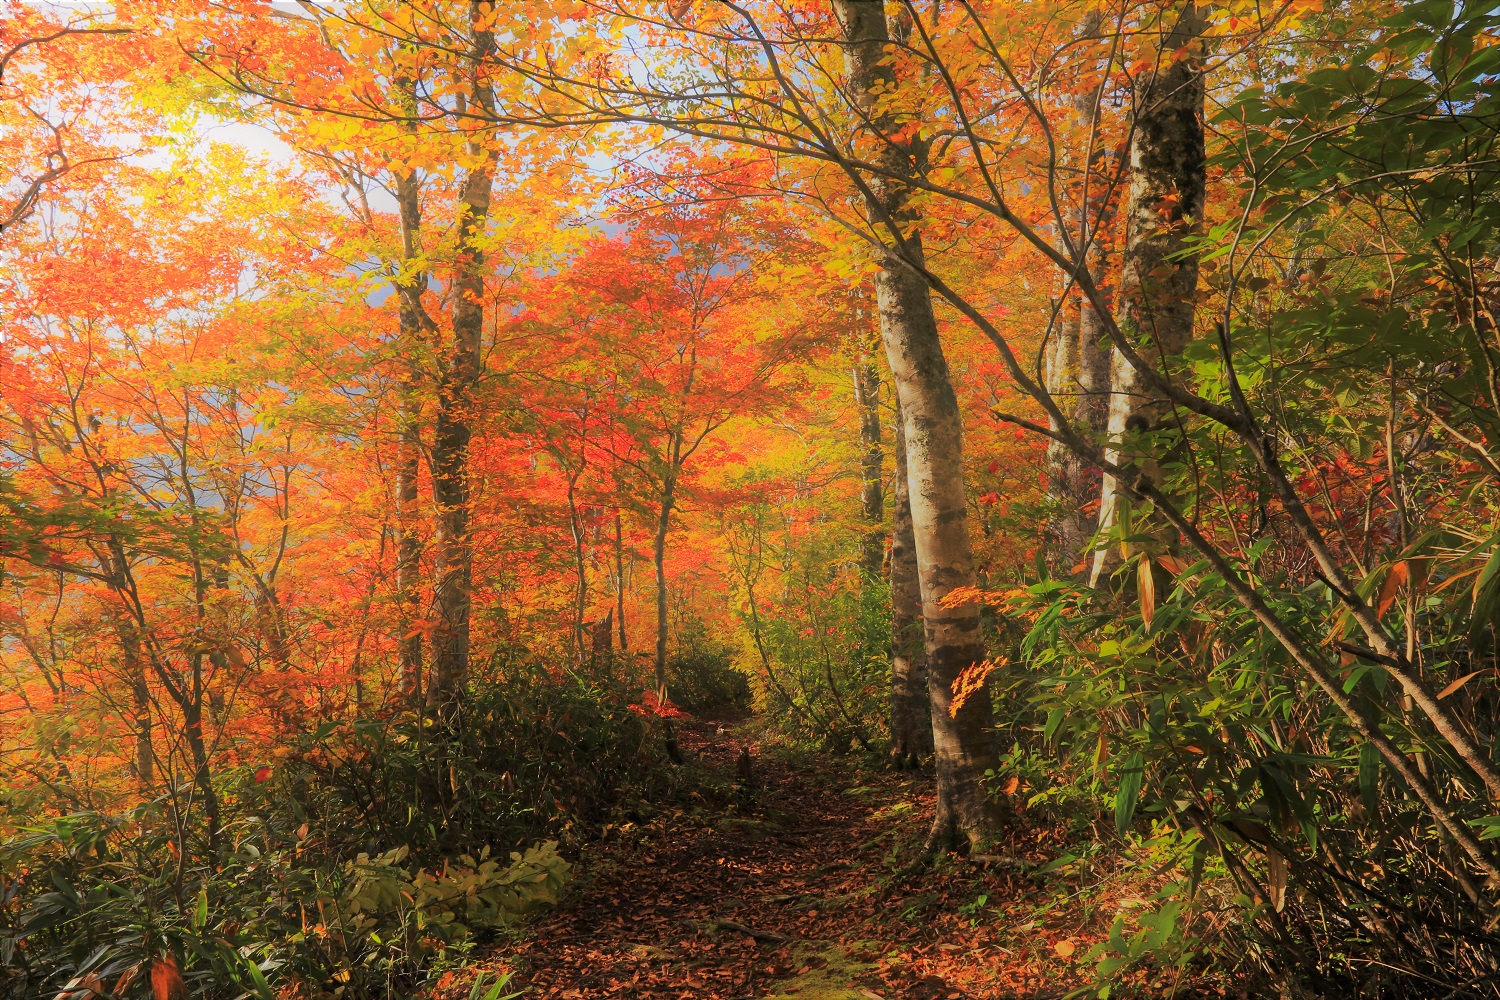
1369, 776
1129, 791
1486, 603
1489, 827
1062, 861
1054, 719
200, 912
258, 980
493, 993
1200, 857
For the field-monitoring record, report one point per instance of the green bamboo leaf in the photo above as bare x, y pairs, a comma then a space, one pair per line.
493, 993
258, 980
1054, 719
1129, 791
1486, 603
1369, 776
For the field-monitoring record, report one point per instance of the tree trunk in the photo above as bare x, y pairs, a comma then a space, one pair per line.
408, 560
452, 430
1164, 206
580, 568
1078, 376
192, 717
872, 458
134, 660
911, 718
140, 693
620, 582
964, 744
409, 447
659, 562
602, 638
1078, 364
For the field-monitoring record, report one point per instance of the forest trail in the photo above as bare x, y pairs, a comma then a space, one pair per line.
805, 891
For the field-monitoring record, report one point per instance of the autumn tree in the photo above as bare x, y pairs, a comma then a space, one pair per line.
458, 374
40, 108
780, 93
163, 502
676, 315
1164, 206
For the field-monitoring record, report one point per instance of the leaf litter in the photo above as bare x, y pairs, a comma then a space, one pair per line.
810, 888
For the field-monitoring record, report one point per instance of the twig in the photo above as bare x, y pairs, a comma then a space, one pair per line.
730, 925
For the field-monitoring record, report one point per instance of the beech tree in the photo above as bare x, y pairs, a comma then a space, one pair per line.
911, 715
1164, 205
933, 443
457, 378
326, 470
756, 99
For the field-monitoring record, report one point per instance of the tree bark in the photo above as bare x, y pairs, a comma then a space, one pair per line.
409, 445
580, 566
963, 743
1078, 363
1164, 206
872, 458
1078, 376
659, 563
128, 629
620, 582
192, 717
911, 718
452, 429
140, 693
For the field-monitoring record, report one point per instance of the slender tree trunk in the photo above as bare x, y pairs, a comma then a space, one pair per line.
192, 717
1074, 378
872, 458
659, 562
620, 582
409, 560
452, 430
140, 693
580, 567
911, 718
1078, 365
1164, 206
409, 446
134, 662
963, 743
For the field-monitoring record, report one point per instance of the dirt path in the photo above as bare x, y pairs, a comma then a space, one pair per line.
805, 891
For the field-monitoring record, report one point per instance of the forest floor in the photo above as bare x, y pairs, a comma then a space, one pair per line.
810, 888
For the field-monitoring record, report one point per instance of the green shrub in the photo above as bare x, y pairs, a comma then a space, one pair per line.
705, 681
531, 758
360, 867
438, 910
92, 902
829, 661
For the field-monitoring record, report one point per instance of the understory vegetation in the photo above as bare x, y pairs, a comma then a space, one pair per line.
456, 455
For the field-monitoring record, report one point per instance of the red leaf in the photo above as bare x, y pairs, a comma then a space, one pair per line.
166, 981
262, 774
1398, 575
1445, 692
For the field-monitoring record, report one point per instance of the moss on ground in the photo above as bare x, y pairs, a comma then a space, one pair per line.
830, 973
